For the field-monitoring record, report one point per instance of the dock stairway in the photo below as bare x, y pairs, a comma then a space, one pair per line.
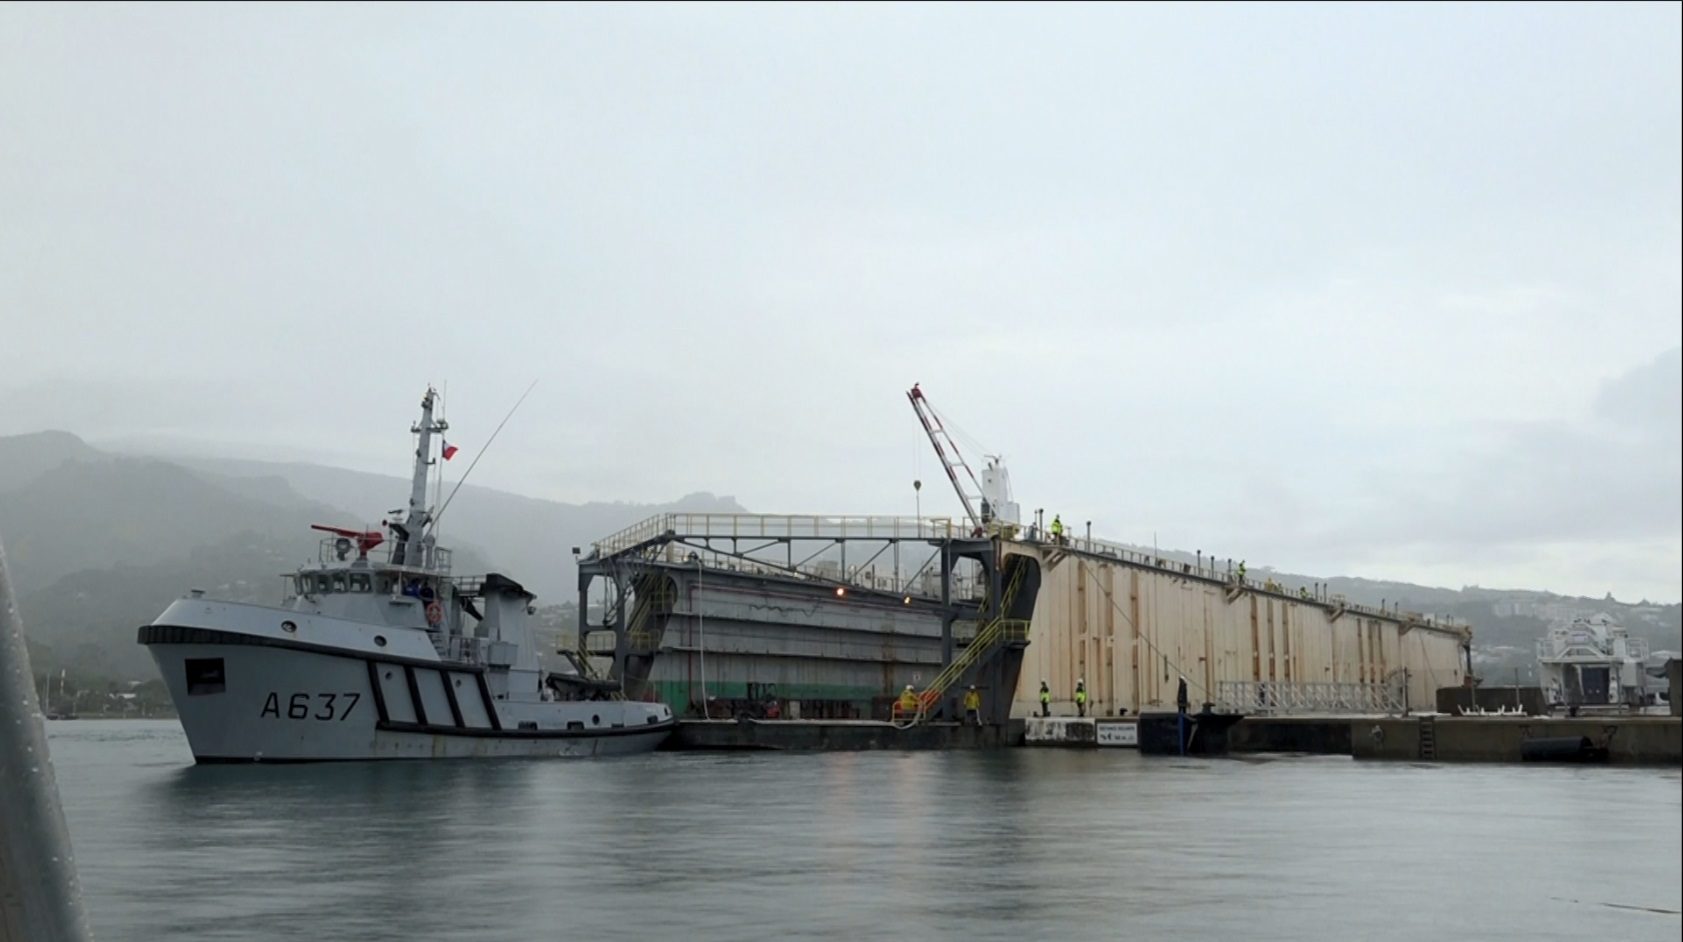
996, 634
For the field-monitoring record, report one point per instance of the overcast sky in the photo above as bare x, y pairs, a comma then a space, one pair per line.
1355, 290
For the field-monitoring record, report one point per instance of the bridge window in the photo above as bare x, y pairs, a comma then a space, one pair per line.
338, 582
359, 582
324, 585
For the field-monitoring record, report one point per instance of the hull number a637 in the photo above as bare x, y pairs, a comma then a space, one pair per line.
324, 707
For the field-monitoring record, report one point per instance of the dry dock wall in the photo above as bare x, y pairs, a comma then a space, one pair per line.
1130, 628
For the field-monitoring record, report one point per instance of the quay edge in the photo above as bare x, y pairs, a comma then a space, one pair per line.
1628, 740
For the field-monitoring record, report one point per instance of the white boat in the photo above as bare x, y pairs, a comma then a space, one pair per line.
379, 652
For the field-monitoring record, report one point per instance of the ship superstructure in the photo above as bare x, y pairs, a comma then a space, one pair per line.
1592, 661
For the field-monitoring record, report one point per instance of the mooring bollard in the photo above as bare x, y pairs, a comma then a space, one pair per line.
40, 895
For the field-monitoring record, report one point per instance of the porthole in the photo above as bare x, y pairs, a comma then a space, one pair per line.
595, 720
289, 627
380, 640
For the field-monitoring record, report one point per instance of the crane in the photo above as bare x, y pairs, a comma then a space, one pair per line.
947, 450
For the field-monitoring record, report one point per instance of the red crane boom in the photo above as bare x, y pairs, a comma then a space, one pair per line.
937, 436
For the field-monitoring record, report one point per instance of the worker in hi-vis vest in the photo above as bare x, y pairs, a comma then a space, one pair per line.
1045, 699
972, 706
1081, 698
908, 701
1057, 529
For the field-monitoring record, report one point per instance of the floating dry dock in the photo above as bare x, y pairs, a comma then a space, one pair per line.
725, 615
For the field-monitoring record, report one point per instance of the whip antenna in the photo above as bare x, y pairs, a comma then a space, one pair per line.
433, 524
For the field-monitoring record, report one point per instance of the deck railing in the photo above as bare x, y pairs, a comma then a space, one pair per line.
778, 527
877, 574
421, 556
1274, 698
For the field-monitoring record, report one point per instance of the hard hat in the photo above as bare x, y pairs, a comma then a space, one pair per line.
1080, 680
908, 686
972, 686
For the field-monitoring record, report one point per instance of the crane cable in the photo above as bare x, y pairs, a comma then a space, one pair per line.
1093, 573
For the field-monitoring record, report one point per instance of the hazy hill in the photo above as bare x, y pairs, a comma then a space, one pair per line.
87, 619
98, 544
528, 538
24, 458
94, 512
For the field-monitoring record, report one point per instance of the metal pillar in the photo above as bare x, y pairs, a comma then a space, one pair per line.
584, 612
622, 644
40, 895
948, 616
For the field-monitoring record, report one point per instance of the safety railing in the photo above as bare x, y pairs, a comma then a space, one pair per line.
1106, 549
1274, 698
1588, 651
641, 634
927, 583
998, 632
778, 527
419, 555
995, 633
458, 648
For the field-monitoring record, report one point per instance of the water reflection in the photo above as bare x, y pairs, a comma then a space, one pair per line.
965, 845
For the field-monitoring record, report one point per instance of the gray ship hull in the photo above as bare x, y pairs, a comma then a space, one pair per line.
248, 696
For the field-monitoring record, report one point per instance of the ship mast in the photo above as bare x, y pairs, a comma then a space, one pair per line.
415, 522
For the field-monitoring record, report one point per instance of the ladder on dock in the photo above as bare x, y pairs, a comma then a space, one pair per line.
1428, 738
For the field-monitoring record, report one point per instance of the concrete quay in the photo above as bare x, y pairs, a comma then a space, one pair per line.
1617, 740
1626, 740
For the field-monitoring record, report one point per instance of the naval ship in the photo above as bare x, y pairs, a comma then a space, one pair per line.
378, 651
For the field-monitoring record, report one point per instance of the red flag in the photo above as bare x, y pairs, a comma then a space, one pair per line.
449, 450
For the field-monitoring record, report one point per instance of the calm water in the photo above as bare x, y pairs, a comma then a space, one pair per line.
1019, 845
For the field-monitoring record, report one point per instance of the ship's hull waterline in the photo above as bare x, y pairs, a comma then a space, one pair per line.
243, 701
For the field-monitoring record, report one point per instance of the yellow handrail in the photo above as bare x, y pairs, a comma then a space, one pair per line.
1000, 630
